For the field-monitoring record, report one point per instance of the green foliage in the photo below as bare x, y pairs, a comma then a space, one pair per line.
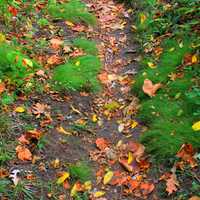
78, 74
80, 171
15, 65
74, 11
88, 46
171, 113
43, 22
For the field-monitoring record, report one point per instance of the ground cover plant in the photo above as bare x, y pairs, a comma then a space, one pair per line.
72, 118
165, 32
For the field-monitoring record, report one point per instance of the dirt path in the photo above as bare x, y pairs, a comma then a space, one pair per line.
108, 116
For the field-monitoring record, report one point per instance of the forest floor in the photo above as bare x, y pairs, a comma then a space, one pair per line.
94, 134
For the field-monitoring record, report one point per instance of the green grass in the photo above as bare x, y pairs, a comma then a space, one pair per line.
74, 11
88, 46
170, 114
80, 171
78, 74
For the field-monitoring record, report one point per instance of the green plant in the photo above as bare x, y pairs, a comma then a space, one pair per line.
74, 11
78, 74
80, 171
88, 46
15, 66
43, 22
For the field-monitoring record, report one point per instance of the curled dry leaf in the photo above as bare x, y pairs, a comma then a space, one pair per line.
102, 143
23, 153
194, 198
149, 88
39, 109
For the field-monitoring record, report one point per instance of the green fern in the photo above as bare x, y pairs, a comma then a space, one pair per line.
74, 11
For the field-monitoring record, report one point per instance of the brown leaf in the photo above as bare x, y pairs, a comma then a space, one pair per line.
137, 149
53, 60
186, 153
102, 143
23, 153
40, 108
172, 184
194, 198
149, 88
56, 43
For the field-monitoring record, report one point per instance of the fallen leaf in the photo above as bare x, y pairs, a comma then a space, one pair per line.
39, 109
20, 109
23, 140
133, 184
102, 143
2, 88
60, 129
125, 164
147, 188
23, 153
56, 43
61, 179
194, 198
196, 126
172, 184
143, 18
107, 178
98, 194
14, 176
149, 88
186, 153
152, 65
137, 149
130, 158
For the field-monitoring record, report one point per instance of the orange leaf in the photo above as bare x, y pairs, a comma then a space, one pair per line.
23, 140
23, 153
147, 188
102, 143
125, 164
149, 88
56, 43
133, 184
172, 184
137, 149
194, 198
2, 87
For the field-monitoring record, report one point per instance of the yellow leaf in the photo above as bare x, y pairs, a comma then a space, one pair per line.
69, 23
77, 63
28, 62
143, 18
196, 126
107, 178
20, 109
2, 38
99, 194
73, 190
194, 59
64, 176
94, 118
60, 129
151, 65
88, 185
134, 124
130, 158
